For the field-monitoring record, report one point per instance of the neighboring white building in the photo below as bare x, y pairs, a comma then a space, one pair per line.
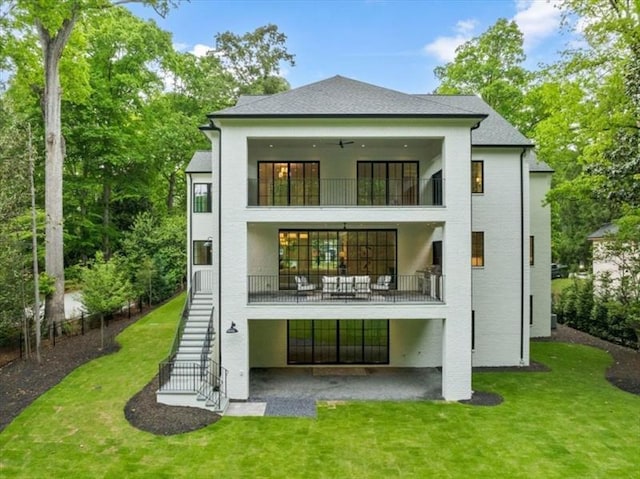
343, 185
607, 263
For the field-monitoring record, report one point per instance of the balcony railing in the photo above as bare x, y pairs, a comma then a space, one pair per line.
346, 192
415, 288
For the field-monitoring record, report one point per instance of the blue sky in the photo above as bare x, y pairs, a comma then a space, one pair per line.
391, 43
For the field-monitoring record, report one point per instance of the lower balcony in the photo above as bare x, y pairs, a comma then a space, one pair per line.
423, 287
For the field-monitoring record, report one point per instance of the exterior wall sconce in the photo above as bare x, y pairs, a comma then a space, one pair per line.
232, 329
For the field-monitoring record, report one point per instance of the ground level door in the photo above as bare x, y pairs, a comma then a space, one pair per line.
344, 341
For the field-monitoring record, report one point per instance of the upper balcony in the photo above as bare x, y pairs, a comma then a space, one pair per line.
355, 172
403, 192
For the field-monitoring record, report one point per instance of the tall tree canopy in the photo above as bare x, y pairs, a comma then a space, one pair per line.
254, 59
54, 22
490, 66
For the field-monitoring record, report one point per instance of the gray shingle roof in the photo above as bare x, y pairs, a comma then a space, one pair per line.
340, 96
608, 229
493, 131
538, 166
200, 162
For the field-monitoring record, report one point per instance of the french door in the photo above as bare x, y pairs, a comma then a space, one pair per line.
288, 183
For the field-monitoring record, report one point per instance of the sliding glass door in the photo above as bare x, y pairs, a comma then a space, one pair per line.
352, 341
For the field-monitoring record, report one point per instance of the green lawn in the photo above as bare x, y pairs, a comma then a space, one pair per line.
569, 423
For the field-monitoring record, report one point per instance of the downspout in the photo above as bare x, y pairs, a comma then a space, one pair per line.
219, 130
522, 256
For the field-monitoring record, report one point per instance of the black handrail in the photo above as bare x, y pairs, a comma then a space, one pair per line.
282, 288
306, 192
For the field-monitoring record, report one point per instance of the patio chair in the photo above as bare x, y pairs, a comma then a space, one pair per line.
362, 285
303, 286
330, 285
382, 284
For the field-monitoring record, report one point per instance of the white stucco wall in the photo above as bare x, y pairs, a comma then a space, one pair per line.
498, 296
199, 225
540, 183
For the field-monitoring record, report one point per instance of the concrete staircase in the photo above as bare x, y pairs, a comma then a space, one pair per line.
190, 380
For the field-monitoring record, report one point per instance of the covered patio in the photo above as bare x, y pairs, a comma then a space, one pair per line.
294, 391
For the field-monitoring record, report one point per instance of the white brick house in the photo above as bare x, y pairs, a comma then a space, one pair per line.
309, 197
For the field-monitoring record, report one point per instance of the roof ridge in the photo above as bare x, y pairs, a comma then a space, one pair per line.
451, 106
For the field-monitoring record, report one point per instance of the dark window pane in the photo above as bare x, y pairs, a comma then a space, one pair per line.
202, 252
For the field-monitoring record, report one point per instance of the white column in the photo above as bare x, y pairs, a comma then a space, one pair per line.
456, 245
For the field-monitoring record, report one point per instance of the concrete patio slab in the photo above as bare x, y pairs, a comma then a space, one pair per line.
389, 384
240, 409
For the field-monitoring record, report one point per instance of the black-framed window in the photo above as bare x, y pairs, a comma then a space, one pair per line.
202, 252
473, 330
531, 250
477, 177
201, 198
288, 183
315, 253
436, 257
344, 341
530, 309
477, 248
387, 182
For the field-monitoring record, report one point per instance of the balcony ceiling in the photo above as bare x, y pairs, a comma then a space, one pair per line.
348, 143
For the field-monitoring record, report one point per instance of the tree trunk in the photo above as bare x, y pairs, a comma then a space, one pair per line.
172, 192
52, 48
106, 219
101, 331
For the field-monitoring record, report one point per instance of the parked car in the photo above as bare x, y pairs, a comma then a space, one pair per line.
558, 270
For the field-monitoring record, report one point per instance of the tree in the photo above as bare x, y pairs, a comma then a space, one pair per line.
254, 59
105, 288
14, 275
490, 66
106, 134
154, 252
54, 21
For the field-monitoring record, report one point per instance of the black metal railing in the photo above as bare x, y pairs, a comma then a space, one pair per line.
181, 325
347, 192
205, 377
353, 289
213, 388
176, 375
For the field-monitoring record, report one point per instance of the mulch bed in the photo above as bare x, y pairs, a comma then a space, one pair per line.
21, 382
145, 413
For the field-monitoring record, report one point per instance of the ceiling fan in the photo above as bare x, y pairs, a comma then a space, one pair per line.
342, 143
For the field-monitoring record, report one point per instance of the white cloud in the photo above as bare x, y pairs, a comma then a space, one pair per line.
444, 48
537, 20
200, 50
180, 47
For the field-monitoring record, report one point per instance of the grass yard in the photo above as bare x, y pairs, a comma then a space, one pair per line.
569, 423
